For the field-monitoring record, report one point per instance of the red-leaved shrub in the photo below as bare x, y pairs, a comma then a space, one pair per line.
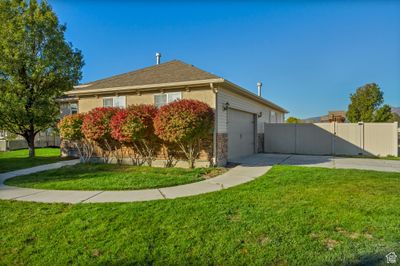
118, 131
96, 127
134, 126
70, 128
96, 124
134, 123
185, 122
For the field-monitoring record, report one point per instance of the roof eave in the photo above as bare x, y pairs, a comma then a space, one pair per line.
256, 97
67, 100
79, 91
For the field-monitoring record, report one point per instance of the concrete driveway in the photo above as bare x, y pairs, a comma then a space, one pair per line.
265, 159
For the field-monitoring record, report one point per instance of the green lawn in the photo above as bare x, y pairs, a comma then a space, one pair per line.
14, 160
291, 215
112, 177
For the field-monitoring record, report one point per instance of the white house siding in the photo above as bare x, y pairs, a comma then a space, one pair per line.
244, 104
241, 103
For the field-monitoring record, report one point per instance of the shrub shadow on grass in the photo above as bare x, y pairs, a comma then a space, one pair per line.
365, 260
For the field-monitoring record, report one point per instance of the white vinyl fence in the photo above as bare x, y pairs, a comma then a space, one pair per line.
40, 142
371, 139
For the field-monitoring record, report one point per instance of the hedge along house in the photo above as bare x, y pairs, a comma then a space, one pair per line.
240, 114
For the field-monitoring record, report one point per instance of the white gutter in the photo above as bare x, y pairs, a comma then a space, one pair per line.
79, 91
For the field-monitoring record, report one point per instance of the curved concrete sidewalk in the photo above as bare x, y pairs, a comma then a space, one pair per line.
249, 169
235, 176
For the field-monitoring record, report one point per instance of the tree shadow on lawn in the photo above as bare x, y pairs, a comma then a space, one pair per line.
11, 164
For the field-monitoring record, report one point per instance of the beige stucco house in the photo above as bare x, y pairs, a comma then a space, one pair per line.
240, 114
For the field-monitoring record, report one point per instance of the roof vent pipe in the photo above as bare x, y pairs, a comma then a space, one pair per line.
158, 56
259, 85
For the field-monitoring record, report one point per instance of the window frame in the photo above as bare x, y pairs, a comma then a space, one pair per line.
273, 114
113, 101
167, 97
70, 108
108, 98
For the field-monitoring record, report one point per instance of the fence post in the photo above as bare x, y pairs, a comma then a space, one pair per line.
362, 142
333, 132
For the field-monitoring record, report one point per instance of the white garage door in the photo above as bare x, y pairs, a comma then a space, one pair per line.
240, 134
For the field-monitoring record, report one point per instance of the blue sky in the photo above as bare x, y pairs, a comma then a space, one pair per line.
309, 55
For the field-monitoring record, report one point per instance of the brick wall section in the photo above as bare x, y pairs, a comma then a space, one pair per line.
222, 148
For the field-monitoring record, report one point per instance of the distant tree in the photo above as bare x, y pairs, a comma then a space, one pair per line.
37, 65
383, 114
366, 105
293, 120
395, 118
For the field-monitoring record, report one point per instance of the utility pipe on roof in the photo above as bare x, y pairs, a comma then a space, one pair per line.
259, 85
158, 56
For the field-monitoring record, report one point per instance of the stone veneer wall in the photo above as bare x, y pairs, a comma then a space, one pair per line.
222, 148
68, 149
260, 142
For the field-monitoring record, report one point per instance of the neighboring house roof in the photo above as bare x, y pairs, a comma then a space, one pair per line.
337, 113
170, 74
332, 115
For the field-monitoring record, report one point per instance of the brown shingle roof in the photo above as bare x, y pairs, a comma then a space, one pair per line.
172, 71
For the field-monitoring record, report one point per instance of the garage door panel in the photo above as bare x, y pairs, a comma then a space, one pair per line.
240, 134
